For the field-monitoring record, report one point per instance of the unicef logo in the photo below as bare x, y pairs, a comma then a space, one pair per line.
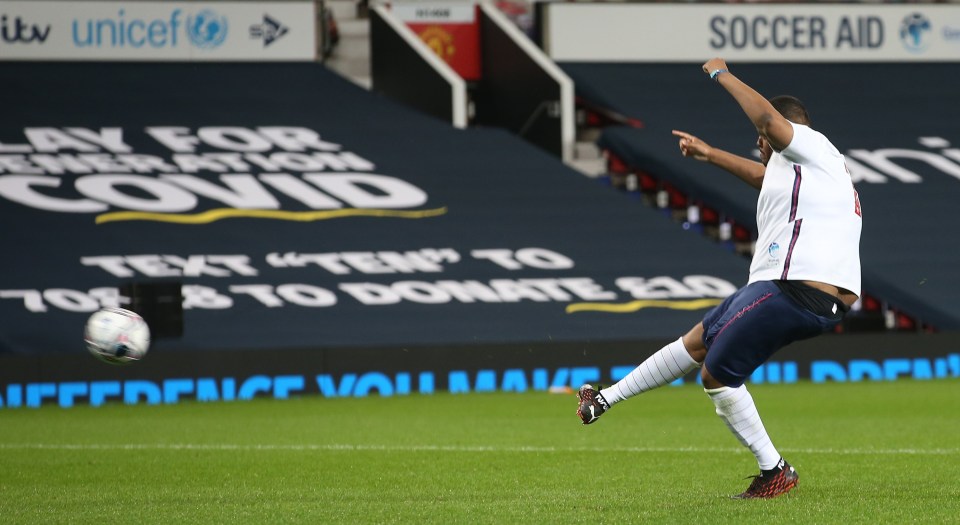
913, 32
207, 29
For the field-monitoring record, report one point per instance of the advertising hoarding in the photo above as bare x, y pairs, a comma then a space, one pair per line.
157, 31
588, 32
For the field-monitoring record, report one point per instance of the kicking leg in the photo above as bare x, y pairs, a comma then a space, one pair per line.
666, 365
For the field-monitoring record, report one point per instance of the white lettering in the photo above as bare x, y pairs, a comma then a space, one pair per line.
301, 191
587, 290
367, 190
233, 139
540, 258
189, 163
664, 287
204, 297
70, 300
372, 294
501, 257
114, 264
513, 291
53, 139
166, 198
18, 164
861, 173
469, 291
20, 188
32, 299
880, 159
543, 259
152, 266
59, 164
111, 139
172, 193
421, 292
307, 295
235, 263
427, 260
365, 262
241, 191
260, 292
172, 265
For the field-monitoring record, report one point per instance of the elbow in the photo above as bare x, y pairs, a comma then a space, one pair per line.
775, 129
764, 122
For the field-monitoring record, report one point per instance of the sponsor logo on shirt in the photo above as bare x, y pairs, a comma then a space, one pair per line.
773, 252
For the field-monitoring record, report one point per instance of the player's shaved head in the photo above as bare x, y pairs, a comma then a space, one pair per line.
791, 108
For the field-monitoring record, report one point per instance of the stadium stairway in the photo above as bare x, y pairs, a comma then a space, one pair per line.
350, 58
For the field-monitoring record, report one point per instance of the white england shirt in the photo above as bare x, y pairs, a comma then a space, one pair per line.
808, 216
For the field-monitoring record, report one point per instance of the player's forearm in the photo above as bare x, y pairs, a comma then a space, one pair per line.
749, 171
758, 109
770, 124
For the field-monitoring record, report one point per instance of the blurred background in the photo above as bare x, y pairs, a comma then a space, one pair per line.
349, 198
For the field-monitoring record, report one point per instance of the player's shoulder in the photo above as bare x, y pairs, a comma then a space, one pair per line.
809, 143
805, 130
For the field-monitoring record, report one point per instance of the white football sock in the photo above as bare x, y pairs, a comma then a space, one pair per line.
665, 366
735, 407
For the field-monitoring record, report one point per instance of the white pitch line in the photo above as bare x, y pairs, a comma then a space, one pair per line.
459, 448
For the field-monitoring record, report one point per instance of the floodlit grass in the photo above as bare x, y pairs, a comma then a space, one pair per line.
866, 453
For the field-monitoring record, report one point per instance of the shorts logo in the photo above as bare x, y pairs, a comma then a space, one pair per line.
913, 32
207, 29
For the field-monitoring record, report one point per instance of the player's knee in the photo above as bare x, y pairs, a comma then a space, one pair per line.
693, 342
709, 382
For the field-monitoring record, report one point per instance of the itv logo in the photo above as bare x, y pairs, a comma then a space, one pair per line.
16, 30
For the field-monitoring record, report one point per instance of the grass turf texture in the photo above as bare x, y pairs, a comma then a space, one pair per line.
866, 453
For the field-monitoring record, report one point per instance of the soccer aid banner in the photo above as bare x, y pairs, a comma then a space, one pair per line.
308, 213
182, 31
590, 32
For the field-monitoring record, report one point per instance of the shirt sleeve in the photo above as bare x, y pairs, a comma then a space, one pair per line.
805, 145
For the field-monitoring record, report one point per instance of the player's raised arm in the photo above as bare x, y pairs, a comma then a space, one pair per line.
769, 122
747, 170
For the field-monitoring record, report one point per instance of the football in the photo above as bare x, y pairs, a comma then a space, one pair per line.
117, 336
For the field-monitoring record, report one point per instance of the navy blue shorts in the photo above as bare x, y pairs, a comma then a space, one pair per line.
754, 323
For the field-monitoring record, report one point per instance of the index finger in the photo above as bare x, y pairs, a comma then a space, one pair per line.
682, 134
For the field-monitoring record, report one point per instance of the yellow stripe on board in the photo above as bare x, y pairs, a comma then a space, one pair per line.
633, 306
233, 213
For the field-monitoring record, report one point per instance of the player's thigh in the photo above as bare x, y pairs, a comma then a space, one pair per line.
755, 325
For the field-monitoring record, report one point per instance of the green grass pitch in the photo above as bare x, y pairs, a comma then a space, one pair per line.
866, 453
